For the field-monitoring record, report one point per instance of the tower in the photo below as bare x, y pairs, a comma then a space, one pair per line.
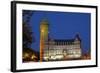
43, 36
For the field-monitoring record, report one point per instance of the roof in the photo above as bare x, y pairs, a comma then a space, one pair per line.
66, 41
78, 37
44, 22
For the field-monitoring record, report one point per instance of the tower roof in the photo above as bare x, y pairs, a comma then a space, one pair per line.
44, 22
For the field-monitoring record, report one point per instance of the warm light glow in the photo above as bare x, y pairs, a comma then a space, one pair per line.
33, 56
25, 55
42, 30
43, 37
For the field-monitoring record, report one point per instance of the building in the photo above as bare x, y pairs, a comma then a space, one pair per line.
58, 49
43, 36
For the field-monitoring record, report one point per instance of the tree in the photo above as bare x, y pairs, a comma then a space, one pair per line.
28, 37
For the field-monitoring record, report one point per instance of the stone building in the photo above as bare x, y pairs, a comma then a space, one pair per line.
58, 49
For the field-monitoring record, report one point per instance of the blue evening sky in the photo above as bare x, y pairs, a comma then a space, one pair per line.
62, 25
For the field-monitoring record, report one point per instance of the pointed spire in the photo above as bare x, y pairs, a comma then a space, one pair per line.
77, 37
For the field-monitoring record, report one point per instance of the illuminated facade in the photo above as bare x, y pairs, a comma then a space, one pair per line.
58, 49
43, 37
63, 49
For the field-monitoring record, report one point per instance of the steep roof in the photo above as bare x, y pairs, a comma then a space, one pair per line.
78, 37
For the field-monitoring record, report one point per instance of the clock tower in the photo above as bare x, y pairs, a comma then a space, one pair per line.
43, 36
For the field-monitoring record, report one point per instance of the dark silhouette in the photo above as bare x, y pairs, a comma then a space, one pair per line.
28, 53
27, 36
